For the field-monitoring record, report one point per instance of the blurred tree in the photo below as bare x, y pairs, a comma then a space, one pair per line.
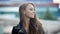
48, 15
59, 11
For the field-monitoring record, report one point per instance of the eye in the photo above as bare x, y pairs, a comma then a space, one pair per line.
31, 9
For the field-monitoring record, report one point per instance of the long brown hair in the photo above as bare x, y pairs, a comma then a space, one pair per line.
35, 27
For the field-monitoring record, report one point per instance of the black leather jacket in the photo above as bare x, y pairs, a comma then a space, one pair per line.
18, 29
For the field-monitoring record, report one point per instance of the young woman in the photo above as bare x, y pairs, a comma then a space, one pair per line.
28, 21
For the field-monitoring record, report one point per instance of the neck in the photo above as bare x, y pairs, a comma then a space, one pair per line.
26, 26
27, 21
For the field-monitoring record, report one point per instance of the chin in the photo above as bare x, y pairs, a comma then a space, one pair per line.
32, 17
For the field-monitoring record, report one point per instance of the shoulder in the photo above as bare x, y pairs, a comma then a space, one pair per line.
18, 29
15, 29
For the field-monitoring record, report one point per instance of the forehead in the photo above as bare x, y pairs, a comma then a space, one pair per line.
30, 6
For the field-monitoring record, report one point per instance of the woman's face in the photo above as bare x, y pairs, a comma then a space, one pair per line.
29, 11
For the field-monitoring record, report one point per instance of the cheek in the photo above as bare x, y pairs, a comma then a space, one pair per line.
29, 14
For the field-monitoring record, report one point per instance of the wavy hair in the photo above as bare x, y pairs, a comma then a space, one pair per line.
35, 27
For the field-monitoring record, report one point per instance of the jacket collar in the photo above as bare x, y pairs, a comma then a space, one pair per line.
22, 28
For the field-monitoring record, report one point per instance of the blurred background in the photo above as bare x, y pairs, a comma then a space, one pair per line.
48, 12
